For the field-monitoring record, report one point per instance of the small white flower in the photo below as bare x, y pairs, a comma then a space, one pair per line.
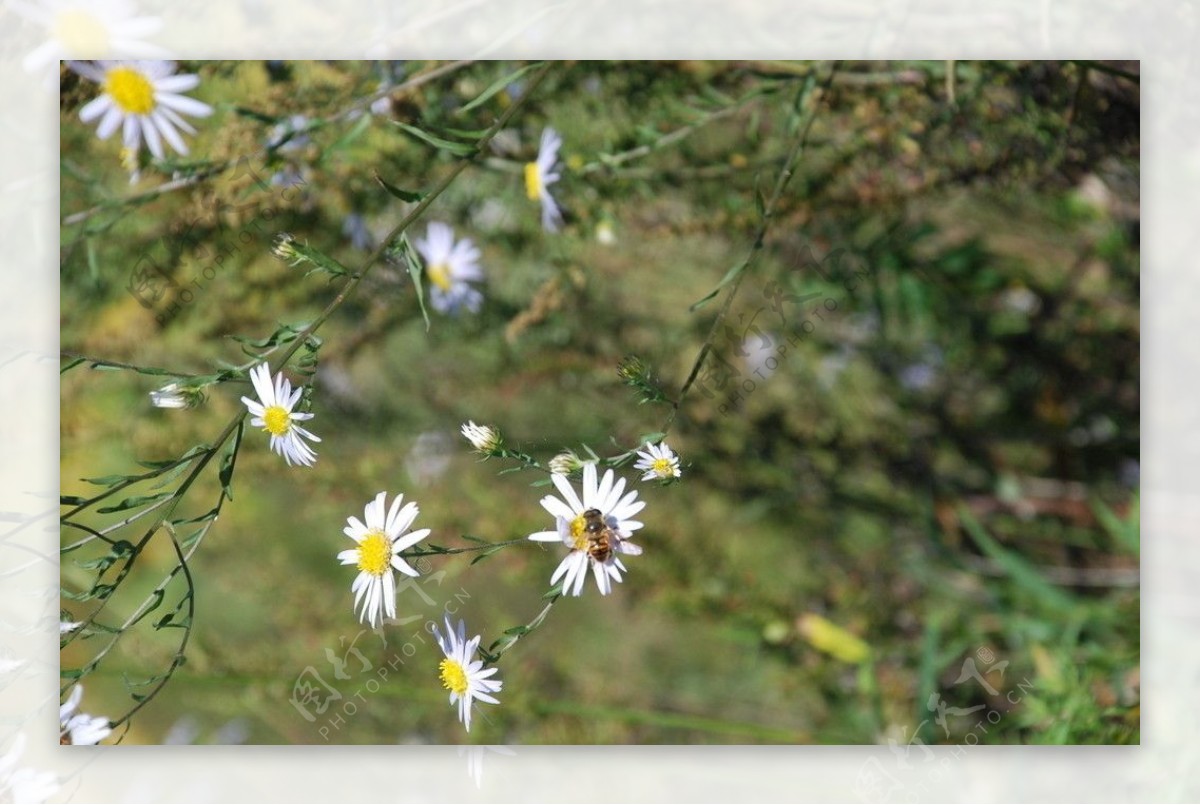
143, 99
450, 268
571, 516
380, 542
66, 627
24, 785
275, 416
87, 29
80, 729
540, 174
174, 395
659, 461
565, 463
483, 438
463, 676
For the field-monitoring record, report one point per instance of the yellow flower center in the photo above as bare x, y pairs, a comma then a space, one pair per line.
578, 535
662, 467
375, 553
439, 275
81, 35
533, 181
454, 677
131, 91
276, 420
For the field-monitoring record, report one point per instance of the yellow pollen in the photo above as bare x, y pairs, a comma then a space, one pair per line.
439, 275
276, 420
454, 678
131, 91
375, 553
533, 181
577, 533
662, 467
81, 35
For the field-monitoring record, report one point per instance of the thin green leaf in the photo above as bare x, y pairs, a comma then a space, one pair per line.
496, 87
134, 502
403, 195
458, 149
729, 277
1021, 572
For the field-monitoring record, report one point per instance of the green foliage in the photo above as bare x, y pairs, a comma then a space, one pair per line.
939, 464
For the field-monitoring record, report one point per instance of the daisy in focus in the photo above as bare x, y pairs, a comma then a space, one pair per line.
80, 729
463, 676
86, 29
595, 529
658, 461
380, 541
273, 413
450, 268
143, 99
540, 174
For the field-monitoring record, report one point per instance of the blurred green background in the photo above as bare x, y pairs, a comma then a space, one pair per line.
940, 478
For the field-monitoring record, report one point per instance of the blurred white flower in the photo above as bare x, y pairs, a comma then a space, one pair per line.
275, 416
80, 729
658, 461
451, 267
540, 174
87, 29
24, 785
430, 457
595, 529
380, 541
462, 675
141, 98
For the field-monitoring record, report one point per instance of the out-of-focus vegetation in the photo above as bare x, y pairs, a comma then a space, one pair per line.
941, 466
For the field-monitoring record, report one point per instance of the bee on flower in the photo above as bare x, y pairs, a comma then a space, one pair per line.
596, 529
144, 100
273, 413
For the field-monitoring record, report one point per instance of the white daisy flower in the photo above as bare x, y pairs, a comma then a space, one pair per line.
80, 729
380, 542
87, 29
142, 98
539, 175
483, 438
596, 529
275, 416
450, 268
659, 461
24, 785
461, 675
